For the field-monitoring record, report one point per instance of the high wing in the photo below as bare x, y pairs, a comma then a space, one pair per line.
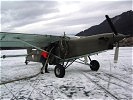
20, 40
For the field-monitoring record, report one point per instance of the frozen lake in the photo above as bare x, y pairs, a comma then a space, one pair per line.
112, 81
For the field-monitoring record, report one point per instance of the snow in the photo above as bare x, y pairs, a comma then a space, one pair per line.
112, 81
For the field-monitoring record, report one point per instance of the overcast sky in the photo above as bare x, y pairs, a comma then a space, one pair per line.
58, 16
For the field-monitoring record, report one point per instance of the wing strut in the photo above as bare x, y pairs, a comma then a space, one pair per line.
34, 46
30, 44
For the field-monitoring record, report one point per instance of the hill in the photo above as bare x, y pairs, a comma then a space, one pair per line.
123, 24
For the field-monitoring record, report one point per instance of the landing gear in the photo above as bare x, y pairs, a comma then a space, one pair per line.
94, 64
59, 71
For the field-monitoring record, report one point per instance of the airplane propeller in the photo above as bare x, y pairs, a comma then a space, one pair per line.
115, 34
111, 25
116, 53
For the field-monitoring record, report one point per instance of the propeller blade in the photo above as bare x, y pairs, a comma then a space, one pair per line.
116, 53
111, 24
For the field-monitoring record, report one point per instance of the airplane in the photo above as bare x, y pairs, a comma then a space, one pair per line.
63, 50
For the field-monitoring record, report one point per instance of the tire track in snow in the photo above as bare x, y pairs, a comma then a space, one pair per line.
27, 89
41, 91
45, 85
111, 75
34, 85
24, 89
101, 87
111, 82
30, 87
118, 74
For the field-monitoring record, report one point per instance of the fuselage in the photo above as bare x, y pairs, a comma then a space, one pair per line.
72, 48
90, 44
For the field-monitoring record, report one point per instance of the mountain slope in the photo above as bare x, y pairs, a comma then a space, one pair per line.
123, 24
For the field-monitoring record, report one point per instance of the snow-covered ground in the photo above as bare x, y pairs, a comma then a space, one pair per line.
112, 81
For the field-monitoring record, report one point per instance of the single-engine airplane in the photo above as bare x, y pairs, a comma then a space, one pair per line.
64, 50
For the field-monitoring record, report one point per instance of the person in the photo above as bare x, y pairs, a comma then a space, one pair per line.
43, 60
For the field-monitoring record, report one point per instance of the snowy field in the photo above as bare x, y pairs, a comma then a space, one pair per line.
112, 81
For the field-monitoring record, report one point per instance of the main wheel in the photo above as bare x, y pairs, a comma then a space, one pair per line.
94, 65
59, 71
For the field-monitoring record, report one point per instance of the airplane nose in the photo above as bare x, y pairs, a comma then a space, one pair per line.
120, 37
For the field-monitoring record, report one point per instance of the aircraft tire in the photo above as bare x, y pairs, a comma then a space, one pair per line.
94, 65
59, 71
